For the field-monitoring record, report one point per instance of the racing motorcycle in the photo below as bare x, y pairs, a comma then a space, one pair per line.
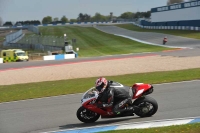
143, 105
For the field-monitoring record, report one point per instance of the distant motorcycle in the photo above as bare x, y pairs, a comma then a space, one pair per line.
144, 106
164, 40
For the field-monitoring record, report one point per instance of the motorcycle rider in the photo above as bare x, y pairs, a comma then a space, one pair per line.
118, 97
164, 40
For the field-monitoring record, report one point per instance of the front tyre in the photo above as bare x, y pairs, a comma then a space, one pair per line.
147, 106
86, 115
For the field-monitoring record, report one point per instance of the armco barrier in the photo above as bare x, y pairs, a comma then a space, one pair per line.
59, 57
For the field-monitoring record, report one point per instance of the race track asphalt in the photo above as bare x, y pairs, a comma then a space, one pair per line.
152, 37
176, 100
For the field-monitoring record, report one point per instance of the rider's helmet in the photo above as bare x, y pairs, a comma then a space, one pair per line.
101, 84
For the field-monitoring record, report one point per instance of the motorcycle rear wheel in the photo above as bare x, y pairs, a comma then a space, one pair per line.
147, 106
86, 116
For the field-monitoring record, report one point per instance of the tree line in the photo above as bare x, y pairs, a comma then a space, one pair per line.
83, 17
20, 23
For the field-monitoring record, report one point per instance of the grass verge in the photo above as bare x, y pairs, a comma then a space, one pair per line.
183, 33
63, 87
189, 128
1, 39
93, 42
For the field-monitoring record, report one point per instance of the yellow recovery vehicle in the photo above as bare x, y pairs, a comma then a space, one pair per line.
14, 55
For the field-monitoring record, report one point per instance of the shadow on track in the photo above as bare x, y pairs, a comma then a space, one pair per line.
98, 123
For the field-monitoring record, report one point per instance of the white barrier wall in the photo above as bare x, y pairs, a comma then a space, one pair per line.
59, 57
177, 12
1, 60
69, 56
49, 57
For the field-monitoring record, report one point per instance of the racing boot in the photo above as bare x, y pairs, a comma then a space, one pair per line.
129, 108
127, 111
130, 111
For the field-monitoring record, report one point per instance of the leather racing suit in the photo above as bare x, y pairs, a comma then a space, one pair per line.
116, 95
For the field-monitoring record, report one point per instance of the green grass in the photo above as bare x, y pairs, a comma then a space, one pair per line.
183, 33
1, 39
55, 88
189, 128
93, 42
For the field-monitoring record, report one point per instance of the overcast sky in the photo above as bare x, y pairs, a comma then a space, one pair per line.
21, 10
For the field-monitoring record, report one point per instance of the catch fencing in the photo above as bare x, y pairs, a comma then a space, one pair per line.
35, 47
33, 42
42, 43
34, 29
43, 40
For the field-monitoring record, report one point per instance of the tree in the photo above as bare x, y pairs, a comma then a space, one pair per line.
138, 15
73, 20
111, 16
64, 19
142, 14
98, 17
9, 23
87, 17
169, 2
147, 14
127, 15
19, 23
80, 17
28, 22
83, 17
1, 21
55, 19
47, 20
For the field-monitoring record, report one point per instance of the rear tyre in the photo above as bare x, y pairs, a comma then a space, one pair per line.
86, 116
147, 106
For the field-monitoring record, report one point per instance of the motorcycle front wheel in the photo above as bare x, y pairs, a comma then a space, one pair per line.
147, 106
86, 116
